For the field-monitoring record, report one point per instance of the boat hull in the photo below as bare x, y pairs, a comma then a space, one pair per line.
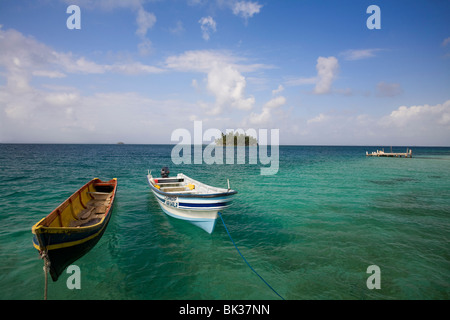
62, 237
61, 258
205, 219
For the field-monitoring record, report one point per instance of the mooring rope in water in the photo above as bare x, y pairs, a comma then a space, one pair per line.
245, 260
46, 268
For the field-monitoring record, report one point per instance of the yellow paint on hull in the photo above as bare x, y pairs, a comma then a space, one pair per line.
60, 221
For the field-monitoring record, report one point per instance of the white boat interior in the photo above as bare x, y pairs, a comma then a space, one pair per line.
184, 185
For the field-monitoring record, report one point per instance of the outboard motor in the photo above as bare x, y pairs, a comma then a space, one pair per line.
165, 172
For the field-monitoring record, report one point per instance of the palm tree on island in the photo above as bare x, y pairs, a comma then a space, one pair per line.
238, 139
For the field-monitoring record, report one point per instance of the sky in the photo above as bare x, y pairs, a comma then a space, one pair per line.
136, 71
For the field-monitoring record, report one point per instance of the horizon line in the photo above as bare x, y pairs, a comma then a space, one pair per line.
174, 144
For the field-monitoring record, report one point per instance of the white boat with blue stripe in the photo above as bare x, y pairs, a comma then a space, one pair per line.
187, 199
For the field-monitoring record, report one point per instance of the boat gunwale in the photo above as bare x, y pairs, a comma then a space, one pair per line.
38, 228
73, 243
190, 195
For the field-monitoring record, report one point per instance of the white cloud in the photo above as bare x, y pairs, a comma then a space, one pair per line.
418, 125
68, 117
24, 57
327, 69
228, 87
320, 118
145, 20
208, 26
80, 65
359, 54
204, 60
61, 113
199, 60
278, 90
196, 2
446, 42
133, 68
61, 98
178, 29
58, 113
335, 127
266, 114
224, 77
275, 102
70, 64
145, 47
194, 84
246, 9
408, 126
48, 74
422, 117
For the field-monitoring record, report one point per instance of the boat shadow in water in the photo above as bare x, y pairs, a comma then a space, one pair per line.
60, 259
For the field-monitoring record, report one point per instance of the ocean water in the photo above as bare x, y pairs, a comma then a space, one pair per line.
311, 231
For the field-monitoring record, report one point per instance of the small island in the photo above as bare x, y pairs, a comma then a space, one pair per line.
238, 139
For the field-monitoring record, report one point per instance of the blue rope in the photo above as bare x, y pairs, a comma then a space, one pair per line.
245, 260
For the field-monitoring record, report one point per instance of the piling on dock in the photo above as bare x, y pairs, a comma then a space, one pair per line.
381, 153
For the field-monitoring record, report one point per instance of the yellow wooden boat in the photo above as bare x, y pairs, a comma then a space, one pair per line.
76, 225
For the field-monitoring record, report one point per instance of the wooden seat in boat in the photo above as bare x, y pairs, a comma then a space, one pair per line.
173, 189
93, 211
86, 213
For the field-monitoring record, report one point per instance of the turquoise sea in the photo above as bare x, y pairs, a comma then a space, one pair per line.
311, 231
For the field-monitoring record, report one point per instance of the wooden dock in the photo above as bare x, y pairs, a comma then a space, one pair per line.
381, 153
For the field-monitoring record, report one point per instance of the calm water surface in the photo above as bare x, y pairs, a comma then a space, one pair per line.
311, 230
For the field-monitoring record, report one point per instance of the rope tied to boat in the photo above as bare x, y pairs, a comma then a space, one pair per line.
44, 256
245, 260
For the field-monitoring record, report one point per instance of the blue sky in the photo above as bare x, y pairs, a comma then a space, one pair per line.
138, 70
